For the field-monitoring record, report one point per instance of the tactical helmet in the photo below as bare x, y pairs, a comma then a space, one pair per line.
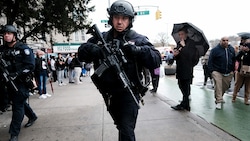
121, 7
124, 8
9, 28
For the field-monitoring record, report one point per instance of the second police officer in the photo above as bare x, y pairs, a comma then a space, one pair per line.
139, 53
20, 60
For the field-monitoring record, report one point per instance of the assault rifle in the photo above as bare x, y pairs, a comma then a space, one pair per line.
111, 60
5, 73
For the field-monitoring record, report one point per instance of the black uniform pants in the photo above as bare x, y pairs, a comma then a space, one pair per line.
4, 100
124, 111
184, 85
19, 108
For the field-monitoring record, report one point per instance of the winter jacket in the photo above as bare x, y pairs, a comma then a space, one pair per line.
222, 59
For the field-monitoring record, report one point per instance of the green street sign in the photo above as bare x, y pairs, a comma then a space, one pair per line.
143, 12
104, 21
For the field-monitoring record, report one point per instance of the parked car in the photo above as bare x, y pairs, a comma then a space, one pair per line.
170, 69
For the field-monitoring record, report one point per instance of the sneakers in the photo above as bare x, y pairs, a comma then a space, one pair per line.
234, 99
35, 92
48, 95
30, 93
203, 87
62, 84
247, 103
43, 96
218, 106
78, 83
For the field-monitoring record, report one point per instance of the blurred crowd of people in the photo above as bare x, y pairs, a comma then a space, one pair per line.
57, 69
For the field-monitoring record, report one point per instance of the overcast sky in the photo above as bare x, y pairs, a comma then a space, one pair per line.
216, 18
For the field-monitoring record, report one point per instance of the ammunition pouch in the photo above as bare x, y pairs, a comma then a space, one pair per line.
98, 83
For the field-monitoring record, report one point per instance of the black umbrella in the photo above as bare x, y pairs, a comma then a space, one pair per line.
245, 35
194, 33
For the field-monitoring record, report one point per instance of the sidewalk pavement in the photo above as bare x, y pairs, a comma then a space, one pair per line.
78, 113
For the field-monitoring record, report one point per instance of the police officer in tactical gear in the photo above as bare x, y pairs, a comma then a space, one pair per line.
21, 63
138, 52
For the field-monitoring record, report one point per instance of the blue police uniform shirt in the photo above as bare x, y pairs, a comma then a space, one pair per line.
21, 58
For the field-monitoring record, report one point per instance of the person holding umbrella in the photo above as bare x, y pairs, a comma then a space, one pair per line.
204, 62
186, 56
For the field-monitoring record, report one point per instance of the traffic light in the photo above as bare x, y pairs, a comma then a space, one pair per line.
158, 14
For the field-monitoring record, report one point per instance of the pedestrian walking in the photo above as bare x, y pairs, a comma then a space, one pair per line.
70, 67
221, 64
53, 68
186, 56
60, 65
137, 52
243, 76
87, 67
155, 77
41, 72
206, 72
21, 63
77, 66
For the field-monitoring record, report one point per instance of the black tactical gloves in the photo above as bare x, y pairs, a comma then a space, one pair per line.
89, 51
130, 49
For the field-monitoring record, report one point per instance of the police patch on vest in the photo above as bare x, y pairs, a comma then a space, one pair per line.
17, 52
131, 42
27, 51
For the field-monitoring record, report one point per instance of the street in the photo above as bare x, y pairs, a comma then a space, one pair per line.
233, 118
77, 112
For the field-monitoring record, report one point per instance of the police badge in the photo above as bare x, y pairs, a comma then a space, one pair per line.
27, 51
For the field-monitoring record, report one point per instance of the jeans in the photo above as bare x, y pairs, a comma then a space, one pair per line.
60, 76
42, 82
